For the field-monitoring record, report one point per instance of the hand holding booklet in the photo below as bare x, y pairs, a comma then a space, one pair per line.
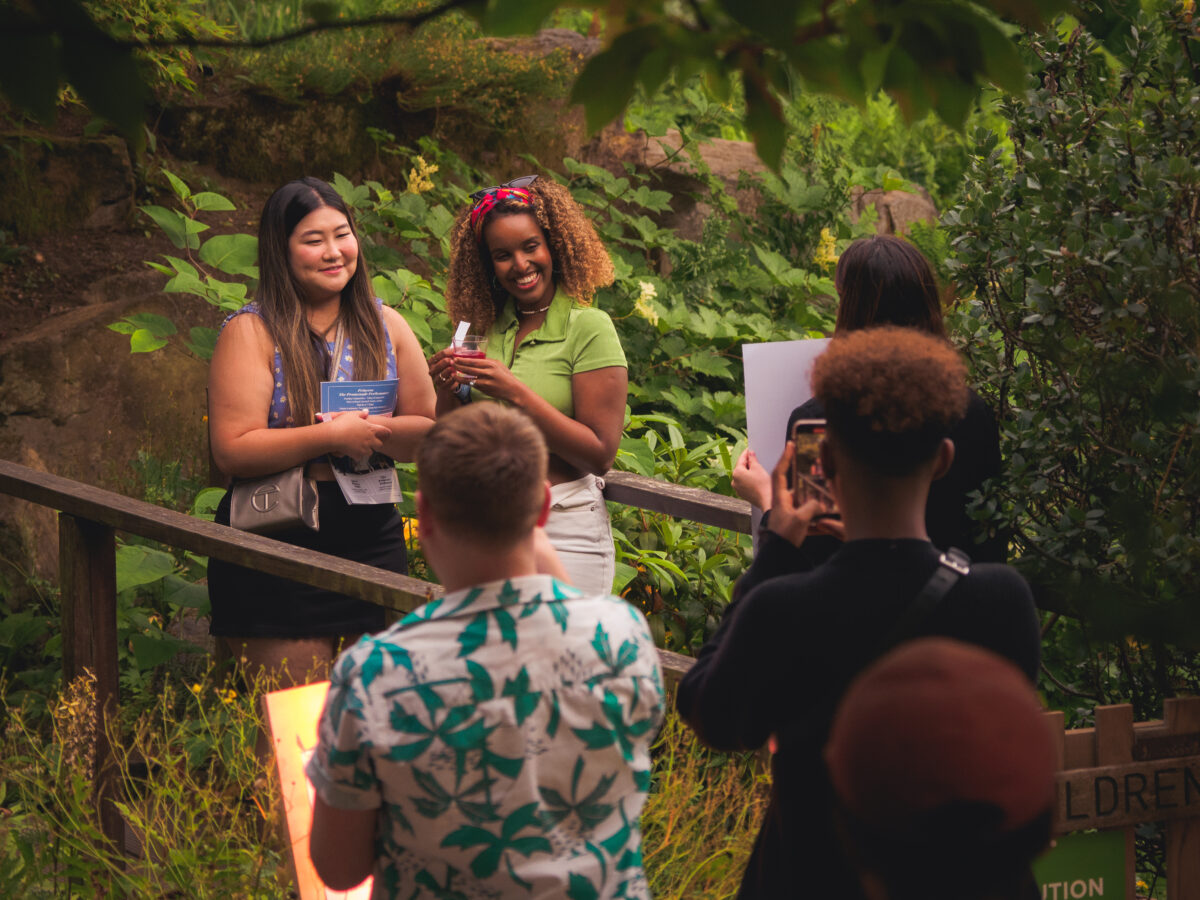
372, 479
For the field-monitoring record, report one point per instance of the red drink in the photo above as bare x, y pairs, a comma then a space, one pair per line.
471, 346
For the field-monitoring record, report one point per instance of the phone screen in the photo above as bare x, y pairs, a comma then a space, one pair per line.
808, 481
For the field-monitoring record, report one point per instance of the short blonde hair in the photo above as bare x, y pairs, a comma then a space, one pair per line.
482, 470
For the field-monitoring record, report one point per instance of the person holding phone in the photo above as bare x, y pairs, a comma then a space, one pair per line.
525, 264
884, 280
791, 640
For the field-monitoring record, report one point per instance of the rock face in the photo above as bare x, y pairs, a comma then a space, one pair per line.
897, 210
75, 402
52, 184
674, 171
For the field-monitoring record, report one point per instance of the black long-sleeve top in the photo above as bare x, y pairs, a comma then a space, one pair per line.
785, 653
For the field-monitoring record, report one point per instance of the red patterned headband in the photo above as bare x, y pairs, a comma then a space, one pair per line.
486, 200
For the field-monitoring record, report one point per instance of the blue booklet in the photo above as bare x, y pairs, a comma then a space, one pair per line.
370, 480
377, 397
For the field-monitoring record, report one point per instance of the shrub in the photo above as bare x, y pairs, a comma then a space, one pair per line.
1084, 328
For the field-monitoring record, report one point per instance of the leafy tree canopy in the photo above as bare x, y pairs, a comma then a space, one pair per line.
929, 55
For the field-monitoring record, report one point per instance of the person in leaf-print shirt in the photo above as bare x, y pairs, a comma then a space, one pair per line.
496, 741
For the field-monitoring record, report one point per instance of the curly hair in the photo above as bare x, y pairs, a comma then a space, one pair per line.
891, 395
581, 264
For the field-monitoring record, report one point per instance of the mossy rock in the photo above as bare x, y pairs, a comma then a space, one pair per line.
59, 183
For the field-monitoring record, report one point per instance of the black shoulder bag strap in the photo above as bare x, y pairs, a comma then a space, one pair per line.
952, 565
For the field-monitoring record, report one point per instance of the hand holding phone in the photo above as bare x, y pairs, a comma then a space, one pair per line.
808, 476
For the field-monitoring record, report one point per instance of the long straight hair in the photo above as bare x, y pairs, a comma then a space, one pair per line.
281, 301
885, 280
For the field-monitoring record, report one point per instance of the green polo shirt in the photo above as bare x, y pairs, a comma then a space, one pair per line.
571, 339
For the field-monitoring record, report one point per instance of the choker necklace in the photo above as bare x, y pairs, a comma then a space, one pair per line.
533, 312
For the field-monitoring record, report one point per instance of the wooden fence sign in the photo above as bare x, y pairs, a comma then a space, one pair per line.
1114, 796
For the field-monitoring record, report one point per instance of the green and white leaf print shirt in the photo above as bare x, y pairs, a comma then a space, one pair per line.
504, 733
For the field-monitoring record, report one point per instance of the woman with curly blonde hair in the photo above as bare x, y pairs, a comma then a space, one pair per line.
525, 264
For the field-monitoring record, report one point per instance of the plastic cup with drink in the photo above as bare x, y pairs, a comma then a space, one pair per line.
469, 346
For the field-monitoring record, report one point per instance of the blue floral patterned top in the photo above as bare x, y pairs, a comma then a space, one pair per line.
503, 733
280, 416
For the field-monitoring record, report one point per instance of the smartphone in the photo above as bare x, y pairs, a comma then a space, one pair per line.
808, 478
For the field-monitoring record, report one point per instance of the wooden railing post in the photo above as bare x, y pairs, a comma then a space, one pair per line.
1181, 716
87, 568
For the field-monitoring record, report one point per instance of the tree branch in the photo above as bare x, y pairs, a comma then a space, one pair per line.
32, 29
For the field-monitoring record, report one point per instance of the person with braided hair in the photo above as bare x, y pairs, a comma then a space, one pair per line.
525, 264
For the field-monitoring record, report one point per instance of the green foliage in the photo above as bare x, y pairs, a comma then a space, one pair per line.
158, 20
1085, 328
206, 809
701, 817
928, 56
191, 788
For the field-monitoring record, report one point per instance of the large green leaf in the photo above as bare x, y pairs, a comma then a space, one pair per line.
764, 121
170, 221
202, 341
234, 254
178, 185
141, 565
607, 80
208, 200
181, 592
772, 18
154, 649
160, 326
145, 341
419, 325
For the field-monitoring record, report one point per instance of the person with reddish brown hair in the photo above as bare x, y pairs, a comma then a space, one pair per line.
791, 641
942, 761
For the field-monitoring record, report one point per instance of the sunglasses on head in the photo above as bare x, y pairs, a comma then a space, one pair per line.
523, 182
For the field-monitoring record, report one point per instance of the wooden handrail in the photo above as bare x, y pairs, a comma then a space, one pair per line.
388, 589
676, 500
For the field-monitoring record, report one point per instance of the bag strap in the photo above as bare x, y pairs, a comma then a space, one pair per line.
952, 565
339, 343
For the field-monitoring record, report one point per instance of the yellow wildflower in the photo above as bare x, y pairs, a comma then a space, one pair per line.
418, 177
826, 255
642, 306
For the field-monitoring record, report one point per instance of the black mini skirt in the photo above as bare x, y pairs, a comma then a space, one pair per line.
248, 603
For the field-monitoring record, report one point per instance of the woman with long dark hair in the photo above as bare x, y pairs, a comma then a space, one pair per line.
264, 394
525, 263
885, 280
